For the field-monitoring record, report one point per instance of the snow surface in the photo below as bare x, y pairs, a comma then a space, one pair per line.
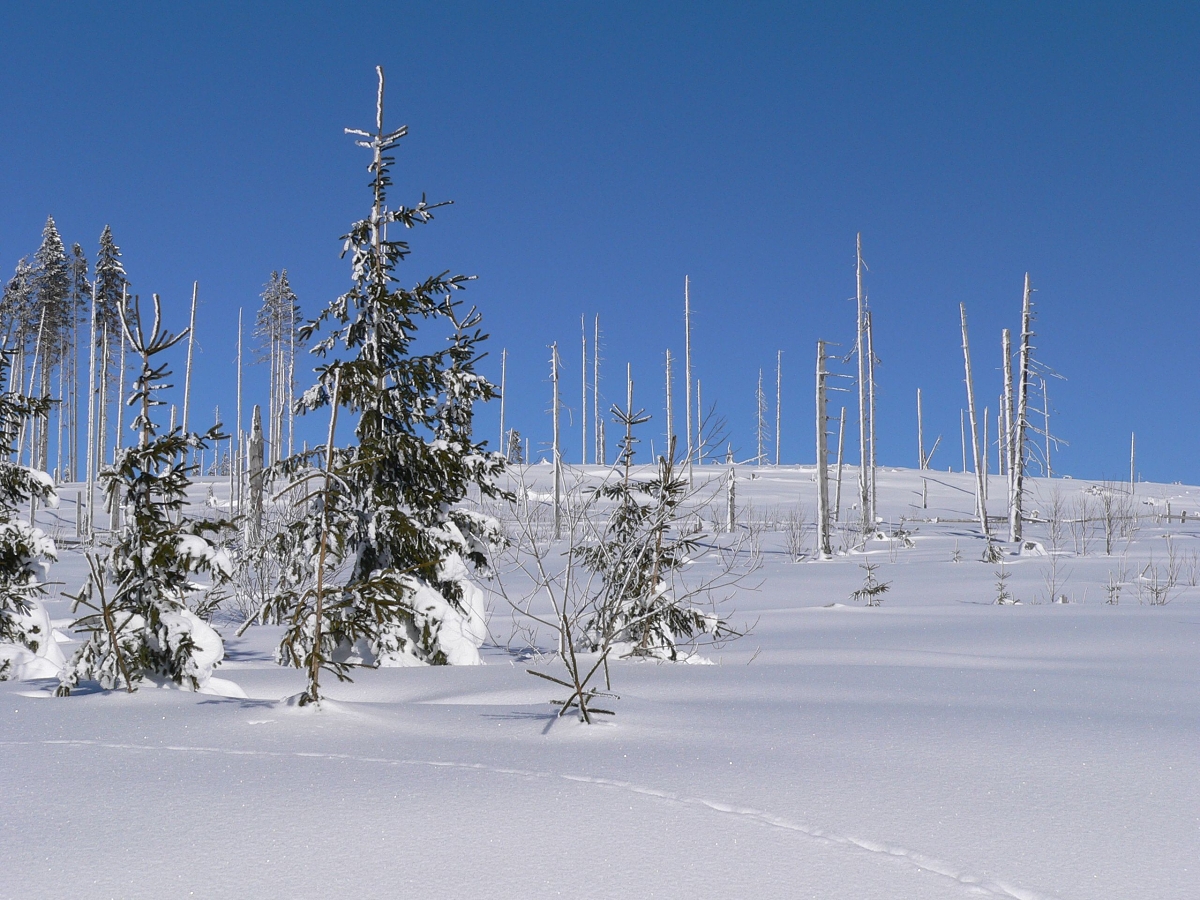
939, 746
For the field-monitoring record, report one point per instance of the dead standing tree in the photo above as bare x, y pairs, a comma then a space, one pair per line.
980, 506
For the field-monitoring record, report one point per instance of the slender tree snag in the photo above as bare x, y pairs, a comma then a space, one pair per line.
556, 448
980, 506
962, 427
983, 455
291, 376
824, 545
102, 406
1132, 461
598, 423
119, 437
583, 448
778, 399
760, 407
1001, 467
1024, 377
864, 453
670, 414
687, 366
731, 501
256, 473
1006, 410
1046, 412
922, 462
238, 427
837, 495
503, 445
871, 402
187, 373
699, 427
91, 419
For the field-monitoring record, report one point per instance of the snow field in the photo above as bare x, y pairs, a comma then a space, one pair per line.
937, 746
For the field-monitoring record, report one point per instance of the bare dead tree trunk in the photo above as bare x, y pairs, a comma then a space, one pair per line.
556, 447
1007, 411
600, 457
837, 496
118, 438
760, 406
187, 374
1046, 411
503, 445
91, 420
864, 452
778, 399
670, 412
824, 545
871, 399
256, 472
1018, 477
687, 366
980, 505
238, 452
983, 455
962, 426
1132, 461
584, 406
922, 462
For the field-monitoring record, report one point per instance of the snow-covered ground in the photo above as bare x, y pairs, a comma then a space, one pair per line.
938, 746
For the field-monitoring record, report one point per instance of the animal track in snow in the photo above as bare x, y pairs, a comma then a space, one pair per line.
977, 884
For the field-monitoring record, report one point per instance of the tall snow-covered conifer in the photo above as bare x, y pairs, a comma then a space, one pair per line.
396, 524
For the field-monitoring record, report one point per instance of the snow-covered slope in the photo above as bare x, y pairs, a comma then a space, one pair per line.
939, 746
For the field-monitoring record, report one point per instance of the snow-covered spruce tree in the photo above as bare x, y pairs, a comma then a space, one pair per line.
25, 552
398, 539
642, 546
276, 327
53, 318
139, 624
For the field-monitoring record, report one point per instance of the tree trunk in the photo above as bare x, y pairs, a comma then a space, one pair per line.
980, 505
824, 545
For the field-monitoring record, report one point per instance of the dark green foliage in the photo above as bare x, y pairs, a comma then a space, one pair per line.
24, 550
139, 624
402, 535
642, 546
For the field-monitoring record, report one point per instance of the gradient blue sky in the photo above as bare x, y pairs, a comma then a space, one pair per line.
597, 153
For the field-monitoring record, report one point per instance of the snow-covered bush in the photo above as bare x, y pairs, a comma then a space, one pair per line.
138, 622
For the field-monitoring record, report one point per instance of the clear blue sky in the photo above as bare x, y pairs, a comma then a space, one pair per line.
597, 153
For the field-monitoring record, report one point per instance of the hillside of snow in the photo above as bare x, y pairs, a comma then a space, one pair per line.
940, 745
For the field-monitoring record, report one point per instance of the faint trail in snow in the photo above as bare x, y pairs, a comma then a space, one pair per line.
977, 884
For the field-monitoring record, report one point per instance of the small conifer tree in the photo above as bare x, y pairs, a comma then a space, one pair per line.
139, 624
643, 544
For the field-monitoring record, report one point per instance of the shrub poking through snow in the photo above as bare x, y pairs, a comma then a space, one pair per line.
138, 622
393, 562
643, 544
873, 589
25, 551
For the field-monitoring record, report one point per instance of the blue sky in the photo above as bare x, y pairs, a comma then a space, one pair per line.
597, 153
